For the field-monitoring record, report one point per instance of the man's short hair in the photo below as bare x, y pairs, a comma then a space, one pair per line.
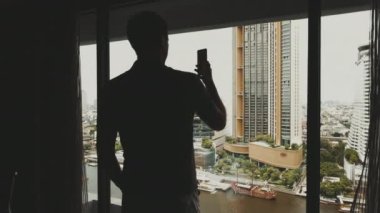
145, 30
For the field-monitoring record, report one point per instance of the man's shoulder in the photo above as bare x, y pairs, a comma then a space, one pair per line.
182, 74
129, 77
118, 80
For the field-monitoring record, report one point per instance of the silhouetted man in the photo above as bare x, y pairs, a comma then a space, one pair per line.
152, 107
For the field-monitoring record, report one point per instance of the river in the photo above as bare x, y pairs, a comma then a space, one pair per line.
228, 202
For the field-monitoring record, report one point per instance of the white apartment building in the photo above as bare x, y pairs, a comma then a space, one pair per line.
358, 136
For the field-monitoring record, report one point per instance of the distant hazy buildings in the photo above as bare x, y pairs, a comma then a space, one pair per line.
266, 83
358, 136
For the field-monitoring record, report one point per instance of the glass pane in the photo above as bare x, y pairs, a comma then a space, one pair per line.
89, 121
345, 105
89, 116
266, 147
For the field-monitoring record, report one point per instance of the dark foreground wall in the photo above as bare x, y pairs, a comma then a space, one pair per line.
40, 107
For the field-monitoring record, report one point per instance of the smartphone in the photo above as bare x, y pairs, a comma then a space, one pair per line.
202, 56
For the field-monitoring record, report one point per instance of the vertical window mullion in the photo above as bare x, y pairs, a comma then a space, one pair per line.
313, 107
103, 75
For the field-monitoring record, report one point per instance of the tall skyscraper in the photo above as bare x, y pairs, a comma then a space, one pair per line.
266, 82
358, 136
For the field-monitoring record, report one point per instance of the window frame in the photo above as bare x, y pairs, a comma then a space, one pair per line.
313, 102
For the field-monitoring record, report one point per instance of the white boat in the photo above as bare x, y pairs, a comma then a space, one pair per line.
205, 187
204, 184
202, 178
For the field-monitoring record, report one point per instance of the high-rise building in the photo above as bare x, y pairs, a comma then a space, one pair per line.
358, 136
266, 82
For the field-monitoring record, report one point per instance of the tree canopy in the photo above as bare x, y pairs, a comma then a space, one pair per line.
266, 138
330, 169
352, 156
331, 153
206, 143
332, 189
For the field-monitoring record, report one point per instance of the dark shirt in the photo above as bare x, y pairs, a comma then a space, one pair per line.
152, 108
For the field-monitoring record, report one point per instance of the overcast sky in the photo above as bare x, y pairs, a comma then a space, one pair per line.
341, 37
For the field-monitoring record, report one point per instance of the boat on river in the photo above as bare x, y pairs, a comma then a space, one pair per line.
204, 184
264, 192
206, 187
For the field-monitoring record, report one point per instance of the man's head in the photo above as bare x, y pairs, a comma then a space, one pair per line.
148, 34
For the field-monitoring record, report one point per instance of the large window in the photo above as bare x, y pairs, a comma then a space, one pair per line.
260, 71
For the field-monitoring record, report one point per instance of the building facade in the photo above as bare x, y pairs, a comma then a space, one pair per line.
266, 85
358, 135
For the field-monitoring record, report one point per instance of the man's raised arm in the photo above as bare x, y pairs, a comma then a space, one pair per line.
210, 107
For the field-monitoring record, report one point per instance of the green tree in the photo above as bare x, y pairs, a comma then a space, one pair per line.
206, 143
325, 144
330, 169
332, 154
347, 184
338, 152
222, 154
326, 156
352, 156
287, 146
87, 146
332, 189
295, 146
248, 165
228, 161
266, 138
290, 176
118, 146
275, 175
230, 140
267, 174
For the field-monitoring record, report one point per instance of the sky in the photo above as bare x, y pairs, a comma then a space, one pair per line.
341, 35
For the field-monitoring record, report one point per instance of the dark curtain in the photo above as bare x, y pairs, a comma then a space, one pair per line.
367, 196
40, 133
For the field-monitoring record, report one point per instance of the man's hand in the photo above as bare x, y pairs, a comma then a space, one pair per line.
204, 71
